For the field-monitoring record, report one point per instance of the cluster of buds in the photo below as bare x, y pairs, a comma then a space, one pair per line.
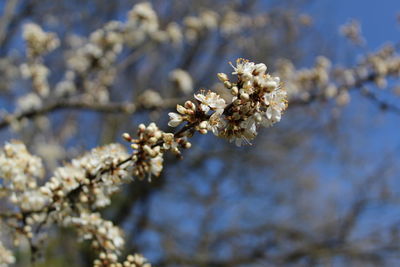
301, 83
100, 52
38, 42
383, 63
149, 148
198, 115
85, 177
38, 73
258, 99
20, 172
104, 235
323, 81
352, 31
142, 22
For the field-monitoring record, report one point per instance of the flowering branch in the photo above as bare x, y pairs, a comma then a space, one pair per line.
79, 104
77, 190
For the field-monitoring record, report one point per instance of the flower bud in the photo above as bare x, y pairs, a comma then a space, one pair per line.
234, 90
244, 96
228, 84
127, 137
222, 77
260, 68
180, 109
203, 131
203, 124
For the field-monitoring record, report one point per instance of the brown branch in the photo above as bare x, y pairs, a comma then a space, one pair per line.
358, 85
9, 11
126, 108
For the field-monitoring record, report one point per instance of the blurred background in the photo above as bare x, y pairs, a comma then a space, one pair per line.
318, 189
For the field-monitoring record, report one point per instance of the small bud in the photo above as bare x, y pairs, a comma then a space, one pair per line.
180, 109
244, 96
203, 124
147, 149
152, 140
222, 77
203, 131
127, 137
83, 198
158, 134
234, 90
175, 150
228, 84
260, 68
134, 146
190, 105
142, 127
237, 102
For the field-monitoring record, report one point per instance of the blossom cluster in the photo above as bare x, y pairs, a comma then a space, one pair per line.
104, 235
301, 83
258, 99
38, 42
69, 196
149, 149
352, 31
335, 83
85, 177
20, 172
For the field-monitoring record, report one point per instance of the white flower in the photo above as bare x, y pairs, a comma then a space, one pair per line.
211, 100
169, 141
273, 114
174, 119
276, 102
276, 98
260, 68
243, 68
215, 122
156, 165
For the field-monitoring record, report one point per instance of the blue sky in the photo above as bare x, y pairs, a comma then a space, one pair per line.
378, 18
